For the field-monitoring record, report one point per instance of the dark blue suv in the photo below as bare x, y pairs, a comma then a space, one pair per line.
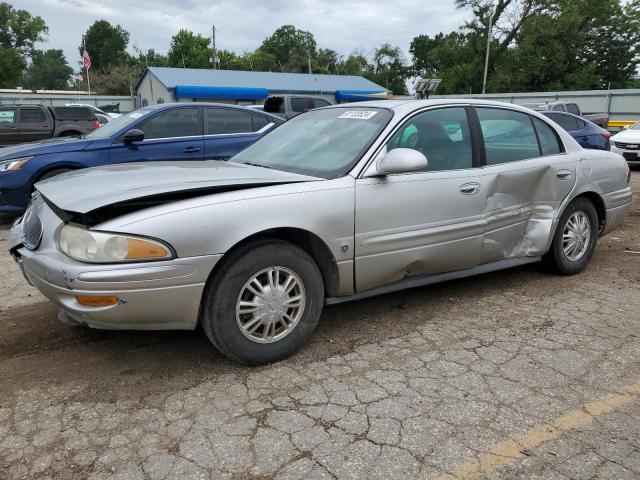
172, 131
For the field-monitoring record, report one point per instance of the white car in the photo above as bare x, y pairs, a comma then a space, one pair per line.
95, 109
627, 144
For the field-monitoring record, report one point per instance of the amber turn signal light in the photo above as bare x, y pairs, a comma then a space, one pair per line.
96, 301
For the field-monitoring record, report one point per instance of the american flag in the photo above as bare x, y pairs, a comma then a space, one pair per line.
86, 59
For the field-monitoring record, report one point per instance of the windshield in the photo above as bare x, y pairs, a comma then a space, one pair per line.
117, 124
635, 126
323, 143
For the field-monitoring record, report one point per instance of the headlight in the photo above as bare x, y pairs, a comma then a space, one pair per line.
102, 247
14, 164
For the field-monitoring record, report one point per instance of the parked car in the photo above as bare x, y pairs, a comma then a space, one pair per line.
103, 119
331, 206
171, 131
27, 123
288, 106
96, 110
627, 144
600, 119
586, 133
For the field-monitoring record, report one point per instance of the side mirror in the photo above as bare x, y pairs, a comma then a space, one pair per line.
133, 135
401, 160
626, 127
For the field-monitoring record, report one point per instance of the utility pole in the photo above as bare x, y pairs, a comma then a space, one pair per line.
213, 46
486, 57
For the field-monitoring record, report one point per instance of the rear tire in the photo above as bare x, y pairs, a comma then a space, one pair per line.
263, 303
575, 240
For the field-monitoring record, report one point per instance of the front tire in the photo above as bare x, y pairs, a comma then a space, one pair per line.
574, 242
263, 303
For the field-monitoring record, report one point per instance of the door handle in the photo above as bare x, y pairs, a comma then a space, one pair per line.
191, 150
470, 188
563, 174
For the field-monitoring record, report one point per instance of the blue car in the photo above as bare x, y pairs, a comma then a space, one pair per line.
586, 133
172, 131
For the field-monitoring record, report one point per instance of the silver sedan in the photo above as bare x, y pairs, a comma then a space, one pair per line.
338, 204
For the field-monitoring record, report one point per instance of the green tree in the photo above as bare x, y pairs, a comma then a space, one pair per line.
388, 69
289, 49
19, 31
106, 44
189, 50
12, 64
117, 80
150, 58
48, 70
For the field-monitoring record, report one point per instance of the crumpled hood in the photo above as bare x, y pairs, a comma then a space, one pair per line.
85, 190
50, 145
631, 136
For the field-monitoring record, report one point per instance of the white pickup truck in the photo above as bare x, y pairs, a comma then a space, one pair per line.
600, 119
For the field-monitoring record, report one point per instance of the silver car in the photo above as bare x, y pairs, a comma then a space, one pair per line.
338, 204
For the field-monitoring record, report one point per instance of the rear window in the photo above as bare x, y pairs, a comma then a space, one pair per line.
301, 104
573, 108
73, 113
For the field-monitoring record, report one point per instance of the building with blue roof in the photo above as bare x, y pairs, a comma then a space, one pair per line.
162, 84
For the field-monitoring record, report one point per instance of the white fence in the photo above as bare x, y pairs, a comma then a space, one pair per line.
619, 104
59, 98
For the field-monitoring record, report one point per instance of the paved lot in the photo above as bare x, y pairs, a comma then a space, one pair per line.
517, 374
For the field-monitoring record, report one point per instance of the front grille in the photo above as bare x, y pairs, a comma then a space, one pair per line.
32, 227
628, 146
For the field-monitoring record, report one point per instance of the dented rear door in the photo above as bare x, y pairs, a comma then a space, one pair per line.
526, 178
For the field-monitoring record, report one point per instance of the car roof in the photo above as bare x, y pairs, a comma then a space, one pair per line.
409, 105
167, 106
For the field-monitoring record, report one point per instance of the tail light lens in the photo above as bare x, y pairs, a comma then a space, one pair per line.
96, 124
606, 134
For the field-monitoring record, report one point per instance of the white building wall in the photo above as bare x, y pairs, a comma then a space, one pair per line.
151, 92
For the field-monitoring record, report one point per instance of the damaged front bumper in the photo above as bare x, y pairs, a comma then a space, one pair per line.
151, 295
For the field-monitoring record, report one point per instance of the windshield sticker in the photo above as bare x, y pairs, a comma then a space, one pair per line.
358, 114
136, 114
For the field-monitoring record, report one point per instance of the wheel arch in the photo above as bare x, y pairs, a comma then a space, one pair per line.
598, 203
308, 241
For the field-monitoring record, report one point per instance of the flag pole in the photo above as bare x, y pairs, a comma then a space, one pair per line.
84, 48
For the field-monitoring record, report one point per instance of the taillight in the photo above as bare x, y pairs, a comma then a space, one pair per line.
96, 124
606, 134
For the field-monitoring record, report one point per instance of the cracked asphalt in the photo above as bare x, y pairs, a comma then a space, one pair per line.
515, 374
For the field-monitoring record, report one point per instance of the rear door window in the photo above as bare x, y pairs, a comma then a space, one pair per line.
259, 122
508, 135
32, 115
301, 104
549, 142
225, 121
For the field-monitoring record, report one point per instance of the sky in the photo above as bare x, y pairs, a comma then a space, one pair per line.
343, 25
